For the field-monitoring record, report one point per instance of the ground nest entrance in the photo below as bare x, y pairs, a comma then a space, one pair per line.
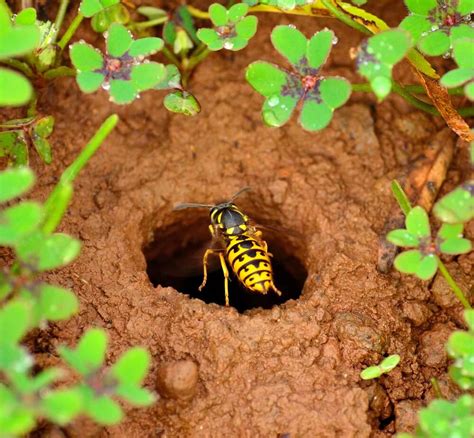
174, 258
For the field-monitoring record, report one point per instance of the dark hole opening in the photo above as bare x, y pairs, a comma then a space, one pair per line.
174, 258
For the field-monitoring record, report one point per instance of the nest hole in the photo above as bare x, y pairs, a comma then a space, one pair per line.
174, 258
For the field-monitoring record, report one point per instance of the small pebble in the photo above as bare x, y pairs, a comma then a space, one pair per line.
178, 380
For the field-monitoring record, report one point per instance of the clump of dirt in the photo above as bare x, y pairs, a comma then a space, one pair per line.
289, 370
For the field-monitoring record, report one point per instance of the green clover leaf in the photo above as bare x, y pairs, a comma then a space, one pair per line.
15, 182
124, 71
378, 55
283, 89
182, 102
232, 29
387, 365
457, 206
90, 8
436, 25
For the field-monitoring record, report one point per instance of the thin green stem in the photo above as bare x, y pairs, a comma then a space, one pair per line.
32, 111
70, 31
147, 24
5, 5
341, 16
55, 205
436, 387
59, 72
171, 56
19, 65
401, 197
430, 109
190, 65
60, 17
453, 285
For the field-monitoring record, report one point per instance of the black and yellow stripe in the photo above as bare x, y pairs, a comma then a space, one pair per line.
250, 262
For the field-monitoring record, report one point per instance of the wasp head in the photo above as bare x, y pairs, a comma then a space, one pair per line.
228, 218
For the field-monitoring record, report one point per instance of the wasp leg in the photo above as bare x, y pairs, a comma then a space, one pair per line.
204, 264
226, 278
277, 291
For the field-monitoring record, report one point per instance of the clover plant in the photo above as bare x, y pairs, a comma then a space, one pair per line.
387, 365
378, 55
232, 28
284, 88
437, 24
123, 70
423, 261
463, 54
27, 301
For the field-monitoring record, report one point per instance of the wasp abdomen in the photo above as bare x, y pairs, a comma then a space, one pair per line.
250, 262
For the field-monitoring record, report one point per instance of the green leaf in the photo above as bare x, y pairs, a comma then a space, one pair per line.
462, 53
104, 410
147, 75
267, 79
469, 90
402, 237
277, 109
417, 222
449, 231
455, 246
182, 102
315, 116
151, 12
389, 46
48, 252
371, 373
18, 221
135, 395
408, 262
62, 405
14, 322
465, 7
26, 17
56, 303
86, 57
211, 38
247, 27
101, 21
389, 363
119, 40
461, 31
416, 25
15, 90
434, 44
460, 344
319, 47
92, 347
171, 80
218, 14
381, 85
44, 126
422, 7
237, 11
15, 182
122, 92
290, 43
89, 8
469, 317
335, 91
89, 81
18, 40
457, 206
169, 32
145, 46
427, 267
44, 379
132, 366
457, 77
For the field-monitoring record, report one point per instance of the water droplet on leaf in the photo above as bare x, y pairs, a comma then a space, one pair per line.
106, 86
229, 45
273, 101
335, 40
292, 26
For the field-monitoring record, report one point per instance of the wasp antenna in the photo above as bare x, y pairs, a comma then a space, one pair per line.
243, 190
184, 205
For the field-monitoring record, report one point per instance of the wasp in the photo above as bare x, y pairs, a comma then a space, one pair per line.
241, 247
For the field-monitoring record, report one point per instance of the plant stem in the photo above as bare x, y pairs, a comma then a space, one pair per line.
171, 56
71, 30
430, 109
5, 5
453, 285
59, 72
436, 387
199, 56
55, 205
147, 24
195, 12
60, 17
401, 197
18, 65
31, 111
336, 13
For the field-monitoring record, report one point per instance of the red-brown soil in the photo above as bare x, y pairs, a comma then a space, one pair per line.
292, 370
